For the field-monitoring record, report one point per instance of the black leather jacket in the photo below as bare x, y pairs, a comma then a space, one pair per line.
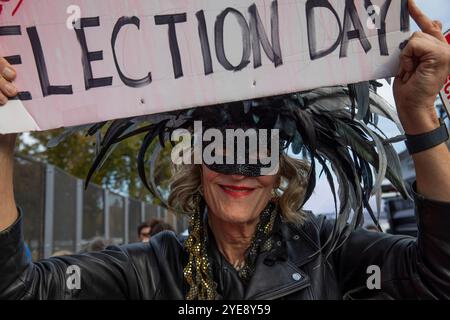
410, 268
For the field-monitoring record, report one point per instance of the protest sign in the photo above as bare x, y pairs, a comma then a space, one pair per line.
84, 61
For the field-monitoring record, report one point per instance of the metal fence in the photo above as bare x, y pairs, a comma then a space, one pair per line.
59, 215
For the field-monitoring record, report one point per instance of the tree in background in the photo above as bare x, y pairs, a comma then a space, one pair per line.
76, 154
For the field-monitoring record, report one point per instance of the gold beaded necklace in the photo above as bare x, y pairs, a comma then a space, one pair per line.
198, 274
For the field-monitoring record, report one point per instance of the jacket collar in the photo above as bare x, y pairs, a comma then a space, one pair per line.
273, 278
285, 276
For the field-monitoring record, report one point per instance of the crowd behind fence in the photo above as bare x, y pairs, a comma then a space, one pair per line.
60, 215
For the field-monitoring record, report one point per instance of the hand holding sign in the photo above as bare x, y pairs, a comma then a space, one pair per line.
142, 52
7, 89
7, 75
7, 144
445, 92
425, 65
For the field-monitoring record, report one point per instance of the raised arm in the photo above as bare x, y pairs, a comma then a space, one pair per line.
8, 211
411, 268
425, 66
112, 274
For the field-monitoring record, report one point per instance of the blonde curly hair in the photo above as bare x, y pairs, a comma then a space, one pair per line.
186, 185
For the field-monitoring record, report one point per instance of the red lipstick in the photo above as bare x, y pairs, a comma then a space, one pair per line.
237, 191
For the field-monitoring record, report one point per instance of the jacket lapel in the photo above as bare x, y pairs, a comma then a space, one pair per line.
273, 281
276, 281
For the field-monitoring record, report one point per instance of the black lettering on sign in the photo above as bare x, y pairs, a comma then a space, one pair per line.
351, 17
171, 20
220, 45
252, 30
88, 57
133, 83
259, 36
384, 50
404, 17
204, 42
47, 89
311, 26
16, 59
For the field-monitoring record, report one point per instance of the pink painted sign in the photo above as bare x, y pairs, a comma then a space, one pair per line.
84, 61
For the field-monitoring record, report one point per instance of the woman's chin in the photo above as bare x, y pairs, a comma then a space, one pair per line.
237, 214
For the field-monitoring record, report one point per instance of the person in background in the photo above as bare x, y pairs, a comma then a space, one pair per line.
145, 229
143, 232
160, 227
154, 222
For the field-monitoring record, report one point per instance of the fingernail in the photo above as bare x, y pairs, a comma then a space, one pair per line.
8, 73
3, 100
11, 89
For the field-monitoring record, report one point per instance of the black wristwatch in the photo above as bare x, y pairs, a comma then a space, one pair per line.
426, 141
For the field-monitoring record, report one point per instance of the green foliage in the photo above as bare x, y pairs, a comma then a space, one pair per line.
76, 154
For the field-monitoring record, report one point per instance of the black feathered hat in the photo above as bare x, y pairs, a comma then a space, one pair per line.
335, 127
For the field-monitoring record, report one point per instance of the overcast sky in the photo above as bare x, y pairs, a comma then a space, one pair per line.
322, 201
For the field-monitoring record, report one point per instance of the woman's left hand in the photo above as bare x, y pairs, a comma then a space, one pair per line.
424, 68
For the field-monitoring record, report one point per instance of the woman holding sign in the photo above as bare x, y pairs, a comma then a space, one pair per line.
249, 238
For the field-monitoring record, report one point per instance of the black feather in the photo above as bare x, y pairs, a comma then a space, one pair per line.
329, 126
116, 129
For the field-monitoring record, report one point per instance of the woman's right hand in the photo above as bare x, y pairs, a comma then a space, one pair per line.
7, 75
8, 211
7, 90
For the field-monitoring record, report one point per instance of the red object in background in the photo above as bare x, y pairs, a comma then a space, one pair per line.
19, 3
445, 92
